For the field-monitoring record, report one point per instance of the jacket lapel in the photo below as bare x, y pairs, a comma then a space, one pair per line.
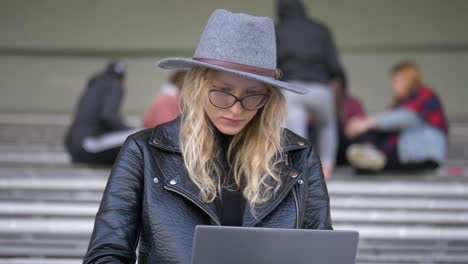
176, 178
289, 178
289, 175
182, 185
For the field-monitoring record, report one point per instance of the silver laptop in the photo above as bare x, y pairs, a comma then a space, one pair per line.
244, 245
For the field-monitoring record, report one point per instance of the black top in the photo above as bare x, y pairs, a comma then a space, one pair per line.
231, 201
98, 110
231, 207
305, 47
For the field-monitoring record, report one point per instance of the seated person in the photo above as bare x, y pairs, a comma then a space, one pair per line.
347, 108
165, 107
97, 131
411, 135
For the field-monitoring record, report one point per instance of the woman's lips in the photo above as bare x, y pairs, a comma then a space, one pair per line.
231, 122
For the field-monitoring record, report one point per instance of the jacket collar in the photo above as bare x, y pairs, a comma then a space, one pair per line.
289, 177
166, 137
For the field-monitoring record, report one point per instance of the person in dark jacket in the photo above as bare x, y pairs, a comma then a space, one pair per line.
97, 131
225, 161
308, 57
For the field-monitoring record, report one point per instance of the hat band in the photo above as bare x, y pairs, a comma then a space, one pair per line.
277, 73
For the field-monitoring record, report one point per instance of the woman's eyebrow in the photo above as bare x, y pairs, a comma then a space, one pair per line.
222, 88
222, 85
256, 90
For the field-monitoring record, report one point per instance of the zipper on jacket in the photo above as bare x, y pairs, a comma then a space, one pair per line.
296, 201
156, 145
286, 159
195, 202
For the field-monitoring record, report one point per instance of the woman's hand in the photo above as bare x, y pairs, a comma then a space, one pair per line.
357, 126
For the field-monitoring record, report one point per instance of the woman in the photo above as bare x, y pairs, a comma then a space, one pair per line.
226, 161
412, 135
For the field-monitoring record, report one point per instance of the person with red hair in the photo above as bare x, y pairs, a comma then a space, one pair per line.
411, 135
165, 107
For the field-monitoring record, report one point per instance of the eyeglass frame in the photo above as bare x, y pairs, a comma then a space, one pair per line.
237, 99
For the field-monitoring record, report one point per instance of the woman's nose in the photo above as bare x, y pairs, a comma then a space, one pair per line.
236, 108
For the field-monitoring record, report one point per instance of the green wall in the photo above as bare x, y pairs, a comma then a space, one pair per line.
48, 48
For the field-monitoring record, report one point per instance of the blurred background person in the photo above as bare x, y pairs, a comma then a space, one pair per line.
308, 57
412, 135
165, 107
97, 130
347, 107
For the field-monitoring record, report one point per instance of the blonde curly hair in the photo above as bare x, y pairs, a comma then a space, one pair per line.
257, 147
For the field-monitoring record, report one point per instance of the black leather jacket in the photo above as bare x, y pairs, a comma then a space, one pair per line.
149, 200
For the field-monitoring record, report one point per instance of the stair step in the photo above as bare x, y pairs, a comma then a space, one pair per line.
16, 260
49, 209
50, 226
405, 232
51, 196
399, 203
52, 184
42, 251
413, 258
401, 189
407, 217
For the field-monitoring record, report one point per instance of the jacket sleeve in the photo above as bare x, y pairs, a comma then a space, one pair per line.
397, 119
117, 223
110, 109
317, 202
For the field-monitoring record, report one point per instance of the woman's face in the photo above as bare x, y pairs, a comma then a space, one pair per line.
231, 120
399, 85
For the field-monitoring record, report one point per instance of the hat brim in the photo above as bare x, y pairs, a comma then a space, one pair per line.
187, 63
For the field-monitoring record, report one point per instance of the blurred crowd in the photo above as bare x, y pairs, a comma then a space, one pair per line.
411, 134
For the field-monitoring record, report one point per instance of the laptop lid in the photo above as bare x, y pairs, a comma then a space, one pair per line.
246, 245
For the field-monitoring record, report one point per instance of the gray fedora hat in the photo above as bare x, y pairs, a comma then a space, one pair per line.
237, 43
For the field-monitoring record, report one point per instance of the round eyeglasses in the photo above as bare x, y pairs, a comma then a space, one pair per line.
225, 100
